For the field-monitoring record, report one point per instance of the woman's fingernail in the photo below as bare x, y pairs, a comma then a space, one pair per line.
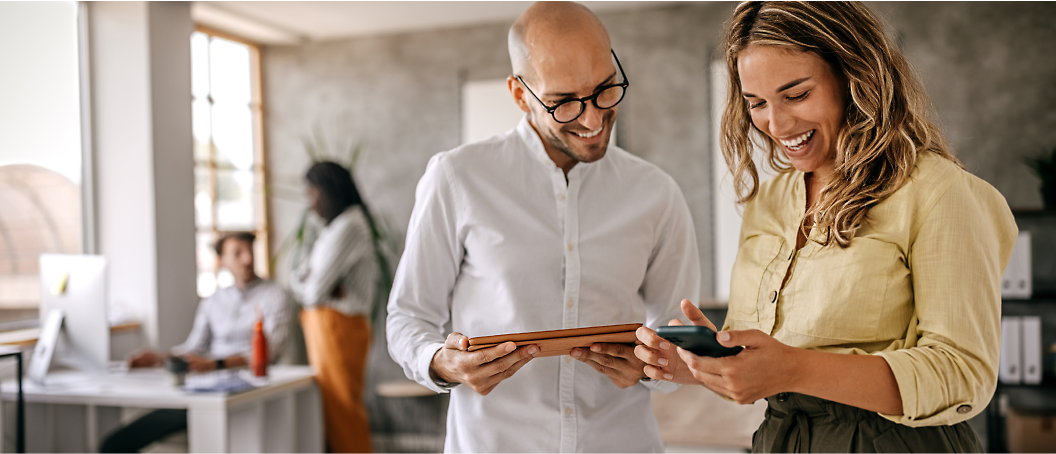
510, 347
664, 346
668, 376
724, 336
576, 353
663, 361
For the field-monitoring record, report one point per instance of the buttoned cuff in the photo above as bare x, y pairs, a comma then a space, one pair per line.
425, 359
908, 387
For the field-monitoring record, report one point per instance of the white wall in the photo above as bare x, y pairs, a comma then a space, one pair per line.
40, 107
144, 171
488, 109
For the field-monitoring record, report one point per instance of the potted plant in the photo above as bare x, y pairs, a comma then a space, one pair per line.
1044, 166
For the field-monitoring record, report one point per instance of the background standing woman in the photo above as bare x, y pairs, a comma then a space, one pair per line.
336, 285
866, 288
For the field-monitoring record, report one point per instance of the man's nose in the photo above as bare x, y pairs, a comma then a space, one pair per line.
592, 117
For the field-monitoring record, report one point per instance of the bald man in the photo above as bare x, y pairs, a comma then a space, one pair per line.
545, 227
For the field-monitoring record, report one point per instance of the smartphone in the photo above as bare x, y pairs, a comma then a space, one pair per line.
700, 340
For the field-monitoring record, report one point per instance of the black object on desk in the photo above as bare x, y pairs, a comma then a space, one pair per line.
20, 420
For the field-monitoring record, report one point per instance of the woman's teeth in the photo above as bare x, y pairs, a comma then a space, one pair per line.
798, 142
587, 135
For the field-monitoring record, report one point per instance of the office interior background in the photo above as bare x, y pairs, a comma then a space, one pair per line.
139, 130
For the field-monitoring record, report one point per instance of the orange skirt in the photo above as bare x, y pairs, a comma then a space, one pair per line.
337, 349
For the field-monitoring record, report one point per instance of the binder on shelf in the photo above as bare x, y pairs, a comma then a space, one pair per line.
1031, 349
1018, 282
1010, 371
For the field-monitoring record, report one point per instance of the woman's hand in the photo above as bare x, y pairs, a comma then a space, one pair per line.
765, 367
662, 360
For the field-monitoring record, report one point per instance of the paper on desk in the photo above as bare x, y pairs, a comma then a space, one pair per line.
224, 381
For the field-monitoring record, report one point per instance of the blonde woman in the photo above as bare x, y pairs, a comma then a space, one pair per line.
866, 289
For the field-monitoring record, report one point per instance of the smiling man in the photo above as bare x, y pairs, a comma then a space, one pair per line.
545, 227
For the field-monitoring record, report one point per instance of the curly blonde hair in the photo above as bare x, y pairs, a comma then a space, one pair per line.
885, 128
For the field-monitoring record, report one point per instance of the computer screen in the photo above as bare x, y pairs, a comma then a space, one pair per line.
77, 285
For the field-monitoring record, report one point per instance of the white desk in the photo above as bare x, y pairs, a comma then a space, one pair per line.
75, 409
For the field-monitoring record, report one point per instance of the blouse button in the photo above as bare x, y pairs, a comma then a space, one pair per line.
568, 411
964, 409
773, 296
560, 197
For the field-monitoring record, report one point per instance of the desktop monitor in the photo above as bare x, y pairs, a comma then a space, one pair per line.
77, 285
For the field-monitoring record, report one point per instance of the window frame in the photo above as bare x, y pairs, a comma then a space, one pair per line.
260, 166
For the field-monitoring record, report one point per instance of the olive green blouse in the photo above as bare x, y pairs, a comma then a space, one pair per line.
920, 285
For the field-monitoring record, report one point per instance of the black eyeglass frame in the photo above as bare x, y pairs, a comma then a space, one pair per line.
593, 99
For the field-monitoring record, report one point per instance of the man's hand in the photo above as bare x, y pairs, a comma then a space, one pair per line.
661, 357
146, 358
198, 364
480, 370
616, 361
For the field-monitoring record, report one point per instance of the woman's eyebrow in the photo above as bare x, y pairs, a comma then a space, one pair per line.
781, 88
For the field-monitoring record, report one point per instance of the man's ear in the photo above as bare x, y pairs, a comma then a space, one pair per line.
517, 91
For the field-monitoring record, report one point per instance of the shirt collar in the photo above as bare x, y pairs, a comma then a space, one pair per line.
534, 143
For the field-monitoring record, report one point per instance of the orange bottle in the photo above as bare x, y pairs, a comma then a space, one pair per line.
260, 350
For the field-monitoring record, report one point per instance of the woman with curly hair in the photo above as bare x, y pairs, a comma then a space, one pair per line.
866, 289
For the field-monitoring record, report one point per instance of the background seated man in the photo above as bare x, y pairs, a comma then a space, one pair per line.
220, 339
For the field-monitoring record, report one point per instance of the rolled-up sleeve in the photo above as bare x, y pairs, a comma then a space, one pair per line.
418, 305
947, 369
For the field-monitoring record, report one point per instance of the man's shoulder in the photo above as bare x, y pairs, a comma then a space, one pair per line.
489, 148
636, 167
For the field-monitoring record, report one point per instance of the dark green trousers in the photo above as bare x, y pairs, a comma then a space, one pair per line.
800, 423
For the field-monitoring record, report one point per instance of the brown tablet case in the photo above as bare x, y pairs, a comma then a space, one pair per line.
562, 341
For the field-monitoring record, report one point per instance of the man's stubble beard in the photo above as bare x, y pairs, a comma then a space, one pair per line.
560, 145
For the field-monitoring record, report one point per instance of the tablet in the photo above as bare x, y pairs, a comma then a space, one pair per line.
562, 341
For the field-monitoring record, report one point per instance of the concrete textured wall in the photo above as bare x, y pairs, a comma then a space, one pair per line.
989, 68
398, 96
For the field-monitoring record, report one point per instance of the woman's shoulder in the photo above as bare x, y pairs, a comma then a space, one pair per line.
350, 222
936, 177
939, 184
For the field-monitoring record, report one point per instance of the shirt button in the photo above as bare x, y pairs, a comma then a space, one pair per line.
568, 358
571, 303
964, 409
773, 296
560, 197
570, 246
568, 411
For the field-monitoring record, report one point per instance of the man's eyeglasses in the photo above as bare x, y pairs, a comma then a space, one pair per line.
569, 110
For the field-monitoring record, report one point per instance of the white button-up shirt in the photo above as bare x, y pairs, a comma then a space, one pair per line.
223, 323
499, 243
